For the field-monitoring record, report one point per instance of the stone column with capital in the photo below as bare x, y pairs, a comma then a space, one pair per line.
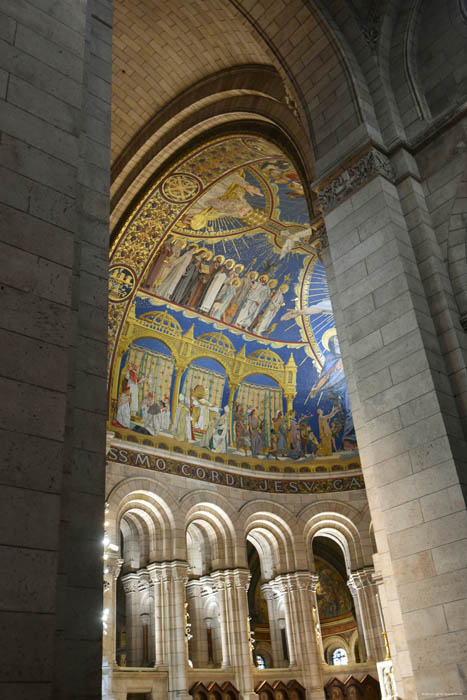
174, 579
282, 594
112, 569
364, 589
132, 619
303, 646
278, 659
158, 631
198, 646
241, 651
219, 583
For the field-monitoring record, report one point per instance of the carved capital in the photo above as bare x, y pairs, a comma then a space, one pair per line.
332, 192
154, 571
175, 571
268, 591
242, 578
362, 578
130, 583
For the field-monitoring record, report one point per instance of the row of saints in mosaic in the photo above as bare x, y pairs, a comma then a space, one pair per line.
221, 329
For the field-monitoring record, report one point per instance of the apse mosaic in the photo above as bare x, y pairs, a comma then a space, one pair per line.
221, 331
333, 595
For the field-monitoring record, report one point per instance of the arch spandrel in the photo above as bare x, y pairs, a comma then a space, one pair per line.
226, 272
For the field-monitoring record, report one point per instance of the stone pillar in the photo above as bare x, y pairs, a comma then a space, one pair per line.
198, 645
282, 594
274, 627
299, 601
241, 651
132, 619
155, 577
174, 578
219, 584
388, 295
364, 590
112, 568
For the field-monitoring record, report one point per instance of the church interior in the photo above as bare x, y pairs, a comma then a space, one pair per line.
234, 318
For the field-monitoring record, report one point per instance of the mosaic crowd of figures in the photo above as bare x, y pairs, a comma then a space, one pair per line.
256, 420
215, 286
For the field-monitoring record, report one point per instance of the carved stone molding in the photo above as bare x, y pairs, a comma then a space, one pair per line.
332, 192
371, 26
319, 236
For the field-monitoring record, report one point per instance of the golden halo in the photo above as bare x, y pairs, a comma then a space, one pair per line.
229, 263
326, 337
272, 284
239, 267
220, 258
235, 282
284, 288
263, 278
253, 275
208, 254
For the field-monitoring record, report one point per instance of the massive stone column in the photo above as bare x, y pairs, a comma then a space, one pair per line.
388, 295
55, 74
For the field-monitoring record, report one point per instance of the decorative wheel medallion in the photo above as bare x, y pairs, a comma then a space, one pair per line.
180, 188
121, 283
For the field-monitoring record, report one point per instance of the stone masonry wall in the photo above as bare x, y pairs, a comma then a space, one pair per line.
54, 121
